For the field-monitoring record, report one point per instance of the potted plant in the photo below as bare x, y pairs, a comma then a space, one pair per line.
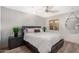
16, 30
44, 29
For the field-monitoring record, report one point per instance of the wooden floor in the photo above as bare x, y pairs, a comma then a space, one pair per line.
68, 47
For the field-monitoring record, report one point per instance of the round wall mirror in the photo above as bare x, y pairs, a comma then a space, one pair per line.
72, 23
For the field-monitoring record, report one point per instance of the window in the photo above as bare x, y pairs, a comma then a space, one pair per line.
54, 24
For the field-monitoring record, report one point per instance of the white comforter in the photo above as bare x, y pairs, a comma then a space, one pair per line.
43, 40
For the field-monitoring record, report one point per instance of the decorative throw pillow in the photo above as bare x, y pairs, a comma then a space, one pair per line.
37, 30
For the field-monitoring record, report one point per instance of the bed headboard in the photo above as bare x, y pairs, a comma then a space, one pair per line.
23, 27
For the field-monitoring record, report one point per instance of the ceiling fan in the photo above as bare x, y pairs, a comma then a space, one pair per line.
50, 9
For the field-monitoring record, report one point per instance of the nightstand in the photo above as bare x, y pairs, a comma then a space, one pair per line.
14, 42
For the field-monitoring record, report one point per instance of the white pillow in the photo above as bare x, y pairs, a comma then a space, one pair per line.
30, 30
25, 30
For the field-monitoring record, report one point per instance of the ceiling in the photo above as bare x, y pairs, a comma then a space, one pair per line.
40, 10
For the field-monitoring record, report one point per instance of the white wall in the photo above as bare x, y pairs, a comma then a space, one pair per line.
0, 27
11, 18
65, 32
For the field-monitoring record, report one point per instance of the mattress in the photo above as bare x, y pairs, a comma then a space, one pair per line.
43, 41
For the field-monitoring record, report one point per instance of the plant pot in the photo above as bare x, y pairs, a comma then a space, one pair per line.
44, 30
15, 34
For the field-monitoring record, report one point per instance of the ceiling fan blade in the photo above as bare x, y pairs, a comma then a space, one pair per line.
54, 11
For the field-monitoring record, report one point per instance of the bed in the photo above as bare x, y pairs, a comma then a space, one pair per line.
42, 42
